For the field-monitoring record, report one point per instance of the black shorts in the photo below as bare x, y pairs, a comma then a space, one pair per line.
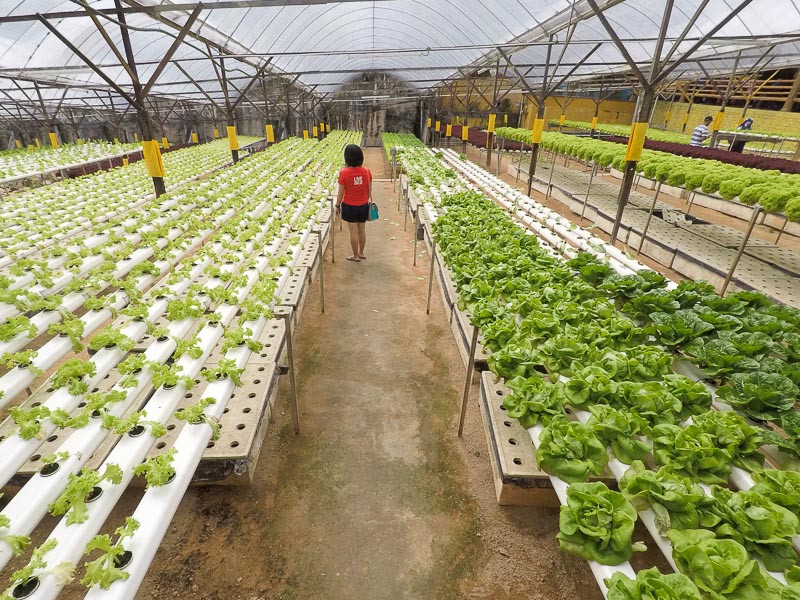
355, 213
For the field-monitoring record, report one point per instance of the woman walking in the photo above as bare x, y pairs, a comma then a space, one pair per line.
355, 194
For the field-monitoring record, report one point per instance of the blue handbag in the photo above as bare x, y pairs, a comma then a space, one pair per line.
373, 212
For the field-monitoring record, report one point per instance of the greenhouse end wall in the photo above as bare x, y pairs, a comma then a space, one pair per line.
582, 109
763, 120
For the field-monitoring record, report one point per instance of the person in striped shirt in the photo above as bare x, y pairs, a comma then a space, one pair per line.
701, 133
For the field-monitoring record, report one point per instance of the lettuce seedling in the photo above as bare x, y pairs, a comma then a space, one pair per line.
37, 566
17, 543
157, 470
72, 500
195, 414
103, 570
72, 375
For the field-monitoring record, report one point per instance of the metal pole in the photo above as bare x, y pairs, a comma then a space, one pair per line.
780, 233
750, 226
416, 228
691, 201
649, 217
430, 277
321, 272
399, 191
287, 317
470, 368
500, 154
550, 181
589, 189
405, 208
333, 230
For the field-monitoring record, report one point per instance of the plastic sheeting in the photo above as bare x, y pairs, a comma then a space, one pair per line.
325, 44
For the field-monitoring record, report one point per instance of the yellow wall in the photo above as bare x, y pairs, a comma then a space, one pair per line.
582, 109
763, 120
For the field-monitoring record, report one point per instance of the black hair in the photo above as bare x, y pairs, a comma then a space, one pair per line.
709, 118
353, 155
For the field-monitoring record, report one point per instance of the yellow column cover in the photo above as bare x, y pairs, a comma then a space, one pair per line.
152, 158
636, 141
233, 140
536, 134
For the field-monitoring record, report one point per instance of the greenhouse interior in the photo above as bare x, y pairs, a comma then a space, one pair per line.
400, 299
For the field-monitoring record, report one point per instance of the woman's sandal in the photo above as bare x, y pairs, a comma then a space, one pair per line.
353, 259
363, 257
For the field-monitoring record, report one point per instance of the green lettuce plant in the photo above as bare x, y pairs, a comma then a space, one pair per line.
597, 524
570, 450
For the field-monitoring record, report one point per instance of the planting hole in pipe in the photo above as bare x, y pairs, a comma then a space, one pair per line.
517, 461
23, 590
136, 431
49, 469
512, 441
163, 338
123, 560
93, 495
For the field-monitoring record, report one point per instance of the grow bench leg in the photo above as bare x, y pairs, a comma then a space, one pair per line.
405, 197
780, 233
416, 227
332, 222
321, 271
286, 315
741, 250
470, 368
430, 276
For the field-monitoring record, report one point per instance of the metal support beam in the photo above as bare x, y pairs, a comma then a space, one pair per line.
111, 83
256, 77
187, 26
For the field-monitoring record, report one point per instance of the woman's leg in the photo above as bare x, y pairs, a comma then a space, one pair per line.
362, 239
353, 228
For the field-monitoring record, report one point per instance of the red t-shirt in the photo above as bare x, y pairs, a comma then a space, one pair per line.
356, 182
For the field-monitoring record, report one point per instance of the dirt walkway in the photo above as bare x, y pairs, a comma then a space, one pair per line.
376, 499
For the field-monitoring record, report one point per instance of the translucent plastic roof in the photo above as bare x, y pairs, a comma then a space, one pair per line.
321, 45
